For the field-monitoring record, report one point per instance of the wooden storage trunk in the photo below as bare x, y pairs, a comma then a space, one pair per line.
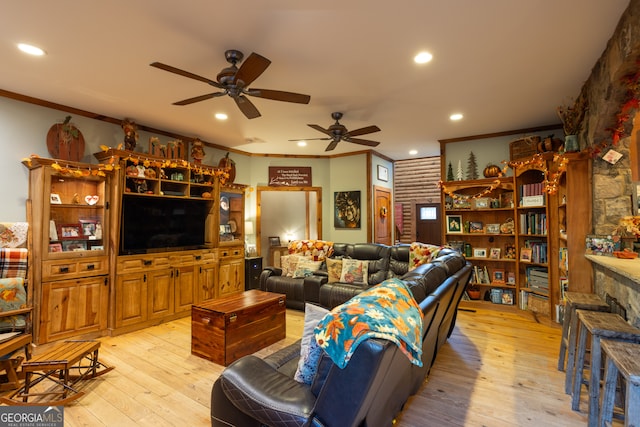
225, 329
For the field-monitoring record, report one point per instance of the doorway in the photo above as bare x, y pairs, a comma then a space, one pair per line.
383, 216
428, 223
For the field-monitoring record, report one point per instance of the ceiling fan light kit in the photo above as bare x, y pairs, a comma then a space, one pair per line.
235, 82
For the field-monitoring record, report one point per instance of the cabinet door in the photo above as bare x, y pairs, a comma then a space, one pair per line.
207, 282
73, 307
185, 288
131, 299
231, 277
160, 291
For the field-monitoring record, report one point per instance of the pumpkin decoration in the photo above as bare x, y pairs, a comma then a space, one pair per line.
229, 165
492, 171
65, 141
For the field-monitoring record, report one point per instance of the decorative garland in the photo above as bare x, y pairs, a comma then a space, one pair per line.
632, 102
537, 161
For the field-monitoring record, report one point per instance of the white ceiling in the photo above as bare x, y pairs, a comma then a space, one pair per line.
504, 64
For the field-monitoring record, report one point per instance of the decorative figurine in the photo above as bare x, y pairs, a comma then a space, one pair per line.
130, 134
197, 151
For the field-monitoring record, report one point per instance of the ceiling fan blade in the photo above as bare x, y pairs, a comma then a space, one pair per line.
251, 69
185, 74
321, 129
278, 95
332, 145
312, 139
199, 98
362, 142
363, 131
247, 107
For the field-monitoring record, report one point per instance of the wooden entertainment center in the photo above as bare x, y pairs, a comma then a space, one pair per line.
131, 242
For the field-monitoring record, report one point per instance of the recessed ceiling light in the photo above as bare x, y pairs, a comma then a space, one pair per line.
413, 152
221, 116
302, 143
456, 116
423, 58
30, 49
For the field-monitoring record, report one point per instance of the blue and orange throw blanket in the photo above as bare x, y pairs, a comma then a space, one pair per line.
386, 311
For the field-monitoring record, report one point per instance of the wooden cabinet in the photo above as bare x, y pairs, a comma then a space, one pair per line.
231, 274
67, 210
477, 215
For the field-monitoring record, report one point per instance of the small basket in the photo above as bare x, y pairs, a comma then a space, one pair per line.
523, 147
496, 296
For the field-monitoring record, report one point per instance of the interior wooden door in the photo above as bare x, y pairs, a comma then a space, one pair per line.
382, 210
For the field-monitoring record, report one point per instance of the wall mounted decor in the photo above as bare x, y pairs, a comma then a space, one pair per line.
347, 209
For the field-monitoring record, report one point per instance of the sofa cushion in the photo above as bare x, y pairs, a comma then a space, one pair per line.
12, 297
334, 270
306, 267
310, 352
288, 263
354, 271
422, 253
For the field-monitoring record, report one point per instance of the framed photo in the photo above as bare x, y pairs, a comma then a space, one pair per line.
55, 199
498, 276
493, 229
274, 241
494, 253
383, 173
525, 254
72, 246
507, 296
69, 231
482, 203
511, 278
601, 245
479, 252
461, 203
476, 227
55, 247
88, 228
454, 223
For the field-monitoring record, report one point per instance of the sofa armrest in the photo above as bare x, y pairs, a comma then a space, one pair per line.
266, 273
263, 393
312, 286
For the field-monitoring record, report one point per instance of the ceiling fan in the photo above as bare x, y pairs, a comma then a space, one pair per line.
234, 82
337, 132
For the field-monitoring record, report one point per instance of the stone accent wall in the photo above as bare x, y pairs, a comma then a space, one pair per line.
603, 94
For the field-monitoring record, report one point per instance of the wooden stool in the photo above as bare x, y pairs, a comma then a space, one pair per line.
600, 325
575, 301
80, 356
621, 357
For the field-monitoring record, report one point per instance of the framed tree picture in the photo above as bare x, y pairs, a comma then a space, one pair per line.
454, 223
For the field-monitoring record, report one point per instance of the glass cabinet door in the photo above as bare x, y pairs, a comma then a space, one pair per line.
231, 216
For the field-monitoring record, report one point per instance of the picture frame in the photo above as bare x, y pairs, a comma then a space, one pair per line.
476, 227
274, 241
494, 253
507, 296
454, 224
88, 228
493, 229
525, 254
498, 276
55, 199
74, 245
55, 247
346, 210
461, 203
479, 252
482, 203
70, 232
601, 245
383, 173
511, 278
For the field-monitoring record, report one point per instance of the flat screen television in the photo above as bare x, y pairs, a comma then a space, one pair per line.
155, 224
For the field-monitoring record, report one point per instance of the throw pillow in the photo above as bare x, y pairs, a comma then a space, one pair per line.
334, 270
317, 249
354, 271
310, 351
422, 253
289, 263
12, 297
306, 267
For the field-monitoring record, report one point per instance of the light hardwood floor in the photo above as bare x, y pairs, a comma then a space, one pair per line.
497, 369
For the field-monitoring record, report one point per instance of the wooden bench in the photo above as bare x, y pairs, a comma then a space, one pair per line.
57, 365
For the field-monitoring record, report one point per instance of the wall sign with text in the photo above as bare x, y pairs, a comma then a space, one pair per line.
288, 176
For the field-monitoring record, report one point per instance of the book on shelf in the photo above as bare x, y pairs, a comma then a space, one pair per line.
538, 250
533, 223
523, 304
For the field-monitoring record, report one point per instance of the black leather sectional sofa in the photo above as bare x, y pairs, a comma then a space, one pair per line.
372, 389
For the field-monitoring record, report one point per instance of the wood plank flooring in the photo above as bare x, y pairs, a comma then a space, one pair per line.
497, 369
